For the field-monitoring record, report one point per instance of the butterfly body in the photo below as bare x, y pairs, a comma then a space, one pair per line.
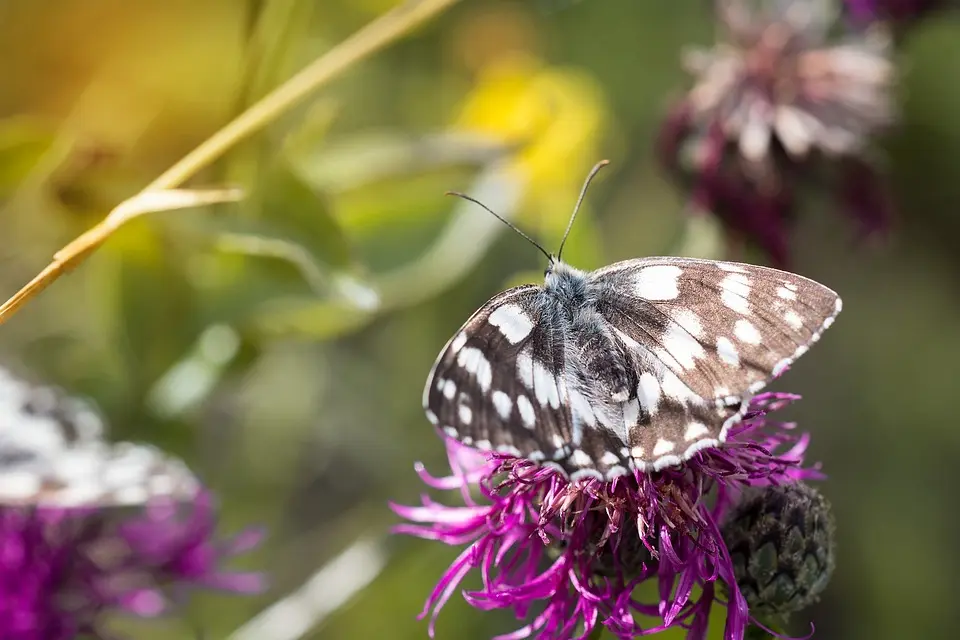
636, 366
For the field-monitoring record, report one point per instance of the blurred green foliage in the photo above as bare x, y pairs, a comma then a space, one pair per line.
279, 345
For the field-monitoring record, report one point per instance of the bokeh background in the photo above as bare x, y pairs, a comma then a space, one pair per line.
280, 345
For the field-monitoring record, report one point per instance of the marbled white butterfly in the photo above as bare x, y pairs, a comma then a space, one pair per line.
637, 365
52, 453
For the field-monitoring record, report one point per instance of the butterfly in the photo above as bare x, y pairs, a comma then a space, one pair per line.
53, 454
635, 366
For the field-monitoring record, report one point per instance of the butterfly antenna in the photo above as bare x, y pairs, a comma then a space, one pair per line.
501, 219
583, 192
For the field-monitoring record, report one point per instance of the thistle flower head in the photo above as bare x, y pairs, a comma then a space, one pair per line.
781, 540
88, 527
777, 78
62, 569
774, 100
567, 556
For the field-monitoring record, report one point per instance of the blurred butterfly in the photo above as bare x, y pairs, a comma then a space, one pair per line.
635, 366
53, 453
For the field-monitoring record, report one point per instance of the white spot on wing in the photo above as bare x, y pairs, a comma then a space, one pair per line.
636, 452
731, 267
744, 330
781, 366
728, 352
581, 407
609, 459
545, 386
527, 414
525, 368
458, 342
695, 430
449, 389
473, 361
512, 322
503, 404
683, 347
793, 319
631, 413
579, 458
648, 393
662, 447
466, 415
689, 321
734, 291
658, 282
450, 431
674, 387
786, 294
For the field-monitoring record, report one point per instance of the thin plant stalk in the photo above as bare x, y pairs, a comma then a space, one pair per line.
369, 39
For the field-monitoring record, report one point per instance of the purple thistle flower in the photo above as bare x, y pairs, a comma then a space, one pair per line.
772, 105
567, 556
63, 569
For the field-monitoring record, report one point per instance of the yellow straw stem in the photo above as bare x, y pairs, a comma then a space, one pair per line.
369, 39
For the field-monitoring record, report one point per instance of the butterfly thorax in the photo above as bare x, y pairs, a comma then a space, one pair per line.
595, 357
566, 286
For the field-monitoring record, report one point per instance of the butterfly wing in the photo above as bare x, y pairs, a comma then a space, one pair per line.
499, 383
705, 336
52, 453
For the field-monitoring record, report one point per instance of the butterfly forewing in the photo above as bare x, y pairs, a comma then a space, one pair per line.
707, 336
497, 385
725, 329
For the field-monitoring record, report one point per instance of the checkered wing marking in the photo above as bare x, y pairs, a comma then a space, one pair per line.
498, 384
52, 453
707, 335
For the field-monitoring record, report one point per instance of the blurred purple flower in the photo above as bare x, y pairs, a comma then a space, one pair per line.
62, 569
567, 556
769, 106
902, 12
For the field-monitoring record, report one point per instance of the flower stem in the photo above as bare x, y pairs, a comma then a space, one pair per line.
364, 42
367, 40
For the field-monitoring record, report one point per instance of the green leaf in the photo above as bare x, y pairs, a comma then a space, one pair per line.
287, 251
305, 136
23, 144
366, 158
279, 28
304, 215
322, 320
149, 305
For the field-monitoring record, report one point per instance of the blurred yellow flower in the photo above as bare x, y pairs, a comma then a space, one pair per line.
554, 115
